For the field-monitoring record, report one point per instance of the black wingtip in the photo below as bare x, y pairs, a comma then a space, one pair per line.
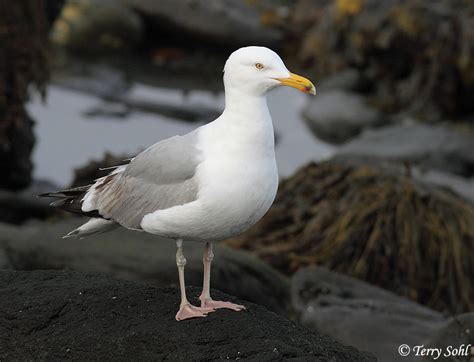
56, 194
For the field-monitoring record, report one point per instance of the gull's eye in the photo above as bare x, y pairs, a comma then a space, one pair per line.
259, 66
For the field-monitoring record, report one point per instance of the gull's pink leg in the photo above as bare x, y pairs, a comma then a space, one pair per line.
186, 309
205, 298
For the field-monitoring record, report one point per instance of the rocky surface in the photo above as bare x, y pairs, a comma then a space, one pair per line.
16, 208
140, 256
16, 146
359, 314
386, 228
337, 116
455, 334
19, 207
108, 25
229, 23
435, 147
92, 26
463, 186
69, 315
349, 79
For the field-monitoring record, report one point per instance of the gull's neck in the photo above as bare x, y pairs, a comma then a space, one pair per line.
248, 108
246, 121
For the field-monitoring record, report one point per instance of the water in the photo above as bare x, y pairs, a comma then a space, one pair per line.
67, 138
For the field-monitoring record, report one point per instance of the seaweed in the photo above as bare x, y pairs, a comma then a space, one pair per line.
417, 55
414, 239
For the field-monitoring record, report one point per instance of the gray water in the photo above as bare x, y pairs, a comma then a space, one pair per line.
67, 138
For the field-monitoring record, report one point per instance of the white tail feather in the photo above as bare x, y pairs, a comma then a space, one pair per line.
93, 226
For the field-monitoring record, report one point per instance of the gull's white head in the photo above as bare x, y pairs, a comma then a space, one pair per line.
256, 70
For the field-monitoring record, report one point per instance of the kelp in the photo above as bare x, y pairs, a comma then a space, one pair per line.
411, 238
416, 55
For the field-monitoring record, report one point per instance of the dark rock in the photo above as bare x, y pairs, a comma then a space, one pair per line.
435, 147
336, 116
349, 79
69, 315
95, 79
16, 208
53, 9
177, 108
95, 169
21, 206
455, 334
23, 68
141, 256
362, 315
229, 23
15, 152
97, 26
382, 227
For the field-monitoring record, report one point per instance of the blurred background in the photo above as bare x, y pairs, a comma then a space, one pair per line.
371, 237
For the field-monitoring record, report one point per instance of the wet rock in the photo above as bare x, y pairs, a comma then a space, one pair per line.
362, 315
97, 26
382, 227
436, 147
455, 338
464, 187
336, 116
82, 316
140, 256
95, 79
120, 99
229, 23
18, 207
181, 109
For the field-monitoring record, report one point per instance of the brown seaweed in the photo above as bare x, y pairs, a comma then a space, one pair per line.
387, 229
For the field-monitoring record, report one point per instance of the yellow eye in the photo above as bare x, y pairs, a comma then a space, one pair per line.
259, 66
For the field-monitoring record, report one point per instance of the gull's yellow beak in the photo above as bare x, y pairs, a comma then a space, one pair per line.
297, 81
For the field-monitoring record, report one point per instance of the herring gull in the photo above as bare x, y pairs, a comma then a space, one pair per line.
208, 185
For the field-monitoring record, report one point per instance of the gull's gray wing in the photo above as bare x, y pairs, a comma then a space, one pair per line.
160, 177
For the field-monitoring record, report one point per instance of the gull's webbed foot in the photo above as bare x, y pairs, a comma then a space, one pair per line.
217, 304
187, 311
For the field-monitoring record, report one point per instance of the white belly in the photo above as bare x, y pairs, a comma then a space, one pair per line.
237, 195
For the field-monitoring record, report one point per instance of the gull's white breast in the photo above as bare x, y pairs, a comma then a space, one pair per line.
237, 178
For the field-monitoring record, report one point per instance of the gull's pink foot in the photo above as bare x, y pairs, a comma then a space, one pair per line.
190, 311
217, 304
